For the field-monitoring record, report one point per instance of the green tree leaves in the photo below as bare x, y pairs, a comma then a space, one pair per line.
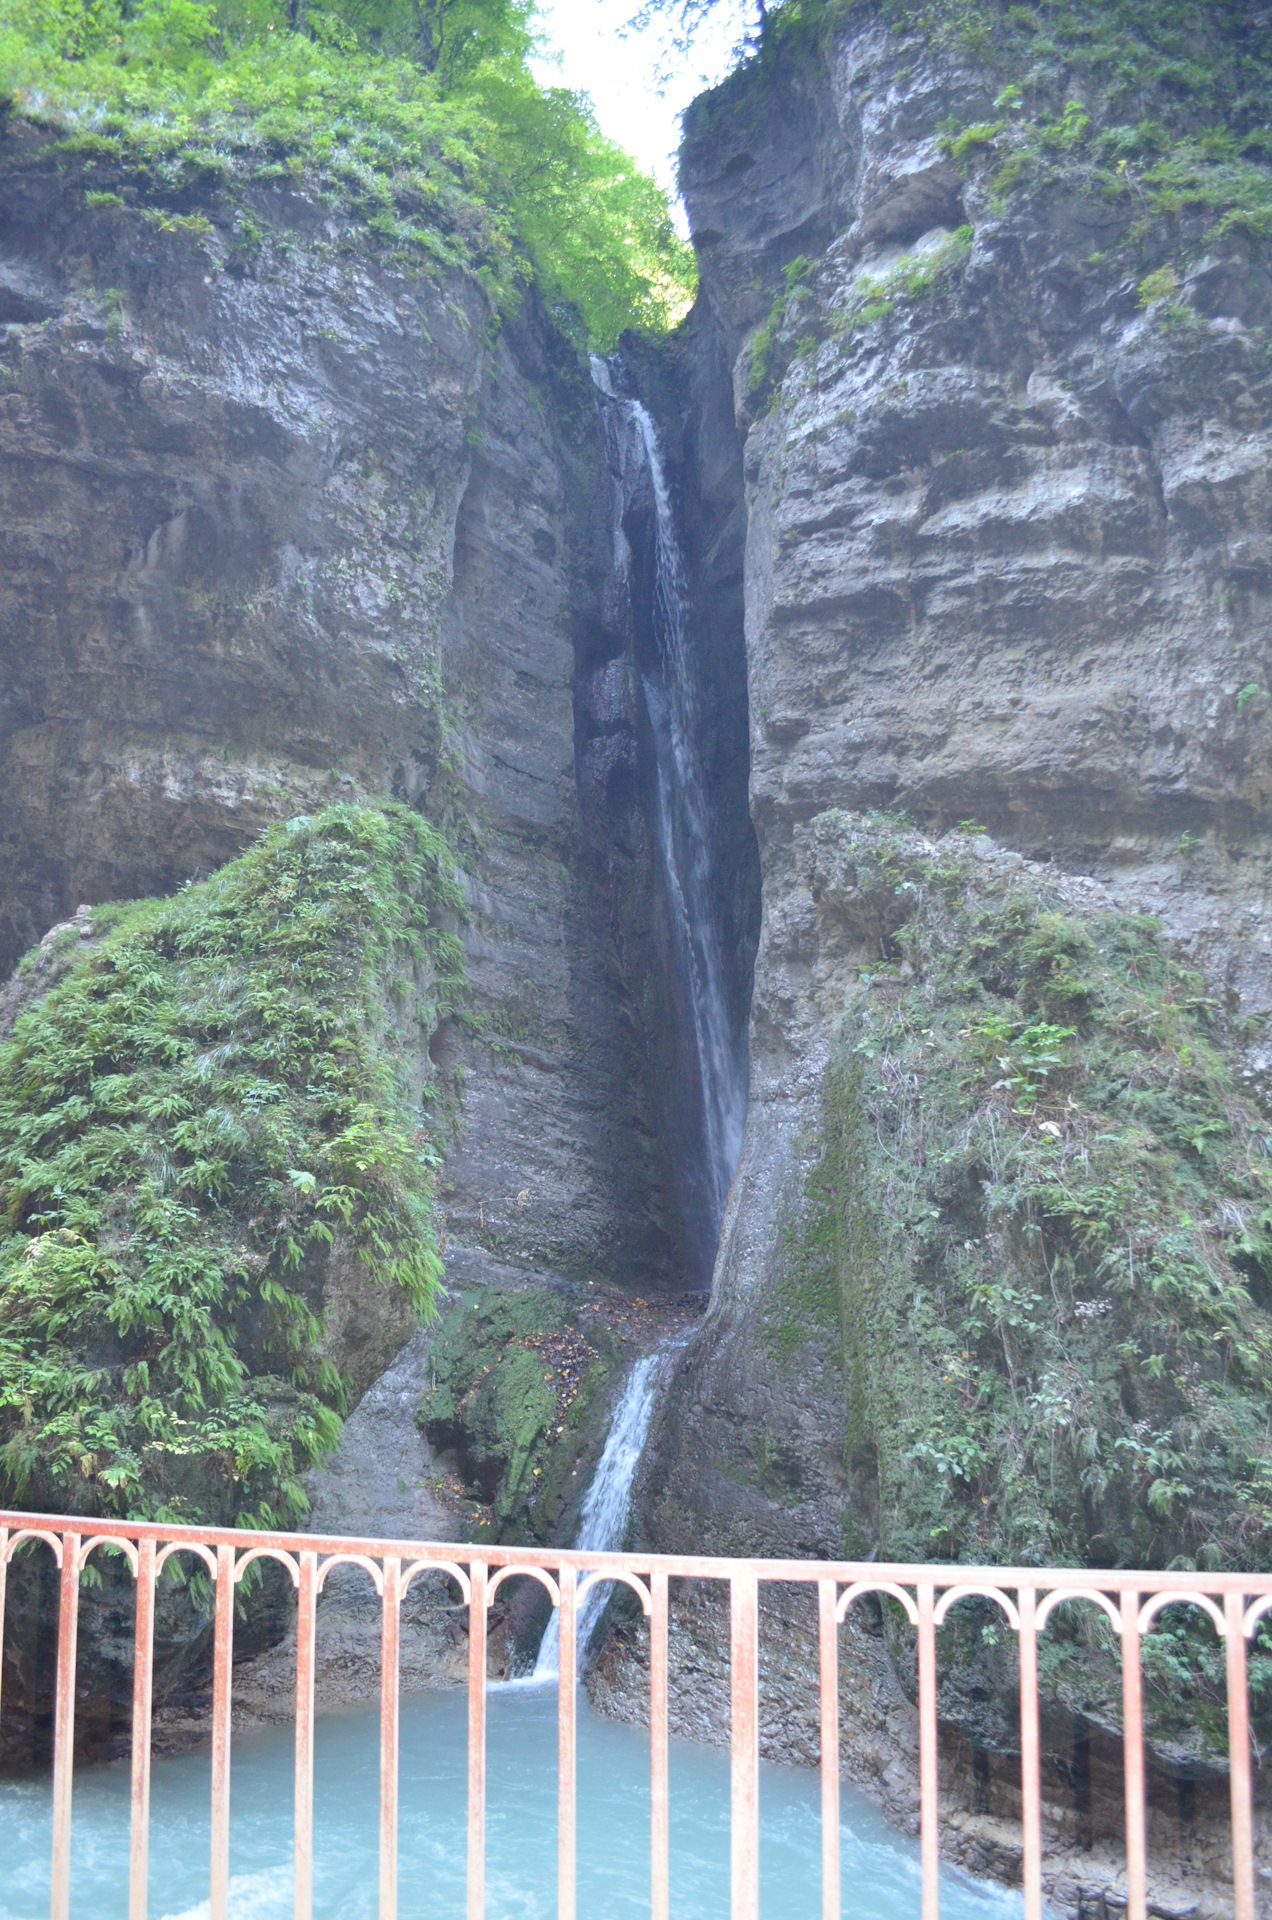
421, 115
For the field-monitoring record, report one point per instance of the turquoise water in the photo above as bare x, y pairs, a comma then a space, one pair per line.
880, 1867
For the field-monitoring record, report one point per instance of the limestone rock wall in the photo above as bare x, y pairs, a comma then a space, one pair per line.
1007, 560
287, 521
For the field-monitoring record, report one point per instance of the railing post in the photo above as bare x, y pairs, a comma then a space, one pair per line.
303, 1843
744, 1745
659, 1825
477, 1741
1030, 1761
64, 1727
390, 1621
566, 1785
143, 1693
222, 1675
1239, 1757
828, 1671
1133, 1761
929, 1836
4, 1578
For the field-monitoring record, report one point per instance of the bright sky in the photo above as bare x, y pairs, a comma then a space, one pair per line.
619, 73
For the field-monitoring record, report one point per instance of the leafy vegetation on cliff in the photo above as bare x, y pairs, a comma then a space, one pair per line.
199, 1116
1153, 107
1157, 106
424, 124
1045, 1203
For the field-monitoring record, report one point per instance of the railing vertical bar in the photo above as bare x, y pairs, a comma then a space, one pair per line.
566, 1781
1133, 1761
828, 1669
929, 1837
390, 1622
1030, 1760
143, 1697
477, 1741
222, 1673
64, 1727
744, 1746
4, 1581
659, 1821
1239, 1758
303, 1842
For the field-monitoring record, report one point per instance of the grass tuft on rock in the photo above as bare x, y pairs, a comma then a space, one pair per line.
202, 1116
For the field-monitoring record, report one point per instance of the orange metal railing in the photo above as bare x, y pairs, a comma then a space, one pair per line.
1234, 1603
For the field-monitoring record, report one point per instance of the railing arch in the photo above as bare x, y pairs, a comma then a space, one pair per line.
1234, 1603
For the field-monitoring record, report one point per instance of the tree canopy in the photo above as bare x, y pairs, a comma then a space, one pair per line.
423, 115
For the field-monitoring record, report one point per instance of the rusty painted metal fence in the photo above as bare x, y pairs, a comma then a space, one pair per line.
1234, 1603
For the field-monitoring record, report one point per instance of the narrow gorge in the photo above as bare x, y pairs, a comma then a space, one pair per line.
771, 822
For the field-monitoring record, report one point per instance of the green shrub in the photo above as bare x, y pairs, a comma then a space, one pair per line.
192, 1115
514, 1379
1051, 1206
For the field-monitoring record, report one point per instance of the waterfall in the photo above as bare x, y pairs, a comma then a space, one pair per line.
681, 813
682, 830
606, 1505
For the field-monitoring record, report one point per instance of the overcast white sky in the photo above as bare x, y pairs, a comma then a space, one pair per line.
619, 73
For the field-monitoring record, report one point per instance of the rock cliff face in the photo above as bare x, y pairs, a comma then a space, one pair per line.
1007, 561
288, 524
971, 451
285, 526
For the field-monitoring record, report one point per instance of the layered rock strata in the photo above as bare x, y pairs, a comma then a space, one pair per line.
289, 522
1007, 563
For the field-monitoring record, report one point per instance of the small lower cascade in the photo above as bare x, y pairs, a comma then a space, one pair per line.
682, 816
606, 1505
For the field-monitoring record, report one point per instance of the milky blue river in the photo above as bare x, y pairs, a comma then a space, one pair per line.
880, 1867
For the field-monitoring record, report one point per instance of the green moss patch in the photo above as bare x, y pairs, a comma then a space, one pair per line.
1043, 1208
217, 1100
1047, 1196
1153, 105
514, 1386
1153, 110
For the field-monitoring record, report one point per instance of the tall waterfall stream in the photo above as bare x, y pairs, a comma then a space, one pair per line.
681, 811
880, 1866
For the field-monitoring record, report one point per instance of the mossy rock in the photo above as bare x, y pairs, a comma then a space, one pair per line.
1042, 1212
517, 1398
216, 1172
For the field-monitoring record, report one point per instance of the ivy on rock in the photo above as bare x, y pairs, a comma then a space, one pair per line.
218, 1100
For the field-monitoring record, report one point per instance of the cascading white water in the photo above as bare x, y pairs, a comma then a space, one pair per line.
684, 843
682, 816
606, 1505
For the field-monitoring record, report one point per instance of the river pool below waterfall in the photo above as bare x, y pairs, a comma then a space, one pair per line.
880, 1866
